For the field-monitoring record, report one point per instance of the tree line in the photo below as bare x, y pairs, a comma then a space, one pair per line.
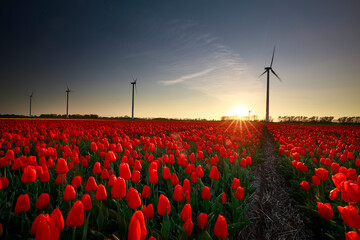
316, 119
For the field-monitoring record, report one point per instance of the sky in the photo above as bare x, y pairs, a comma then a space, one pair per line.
192, 59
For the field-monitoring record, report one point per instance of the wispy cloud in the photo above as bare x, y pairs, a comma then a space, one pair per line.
213, 68
186, 77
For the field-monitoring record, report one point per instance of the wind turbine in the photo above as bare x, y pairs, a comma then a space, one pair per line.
249, 109
267, 70
67, 100
133, 83
31, 95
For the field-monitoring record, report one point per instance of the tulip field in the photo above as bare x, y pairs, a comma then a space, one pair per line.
85, 179
323, 164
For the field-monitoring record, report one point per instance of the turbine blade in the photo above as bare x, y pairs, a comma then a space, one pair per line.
262, 73
276, 75
67, 87
272, 59
135, 89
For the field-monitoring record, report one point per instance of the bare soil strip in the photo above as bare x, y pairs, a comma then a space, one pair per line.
272, 212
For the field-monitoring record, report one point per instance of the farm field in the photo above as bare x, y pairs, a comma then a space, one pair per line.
322, 164
81, 179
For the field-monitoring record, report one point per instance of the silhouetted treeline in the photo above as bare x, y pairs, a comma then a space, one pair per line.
316, 119
349, 120
95, 116
85, 116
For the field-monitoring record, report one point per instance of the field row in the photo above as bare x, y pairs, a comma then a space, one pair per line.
125, 179
323, 164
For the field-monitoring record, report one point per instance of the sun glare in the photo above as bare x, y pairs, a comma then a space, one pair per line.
239, 111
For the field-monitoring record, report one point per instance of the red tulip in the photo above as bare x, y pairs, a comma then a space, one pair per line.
87, 203
350, 191
22, 204
334, 194
186, 185
352, 235
325, 210
61, 167
91, 184
239, 193
124, 171
174, 179
93, 147
223, 198
188, 227
110, 156
135, 176
350, 216
42, 201
166, 173
146, 191
305, 186
39, 171
76, 182
29, 174
133, 198
5, 182
10, 155
178, 193
335, 167
60, 179
58, 218
322, 174
205, 193
148, 211
163, 206
137, 228
153, 178
97, 168
186, 212
76, 215
315, 180
44, 228
199, 171
69, 193
220, 229
101, 193
235, 184
214, 173
45, 177
119, 188
338, 179
202, 221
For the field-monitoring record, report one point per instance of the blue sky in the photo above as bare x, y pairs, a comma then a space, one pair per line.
192, 58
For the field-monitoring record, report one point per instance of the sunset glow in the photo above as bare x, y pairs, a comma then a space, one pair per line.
239, 111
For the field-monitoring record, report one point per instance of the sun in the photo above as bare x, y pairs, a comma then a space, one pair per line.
239, 111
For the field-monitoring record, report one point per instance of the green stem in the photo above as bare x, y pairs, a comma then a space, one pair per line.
73, 234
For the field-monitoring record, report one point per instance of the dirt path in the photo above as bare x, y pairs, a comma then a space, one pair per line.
272, 213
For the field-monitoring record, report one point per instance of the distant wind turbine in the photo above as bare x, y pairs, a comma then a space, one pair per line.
133, 83
30, 96
249, 109
267, 70
67, 100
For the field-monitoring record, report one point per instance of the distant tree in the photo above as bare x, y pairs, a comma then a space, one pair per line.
313, 119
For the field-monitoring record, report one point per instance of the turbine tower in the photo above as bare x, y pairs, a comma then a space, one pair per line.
67, 100
249, 109
31, 95
267, 70
133, 83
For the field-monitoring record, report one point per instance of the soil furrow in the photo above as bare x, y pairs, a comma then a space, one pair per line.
272, 212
